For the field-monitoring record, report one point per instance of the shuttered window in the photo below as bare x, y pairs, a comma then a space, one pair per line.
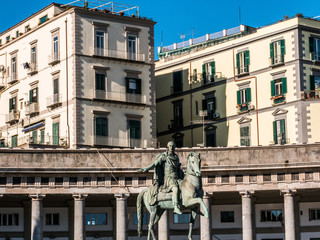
277, 51
243, 62
33, 95
244, 136
278, 86
244, 96
279, 132
208, 72
55, 133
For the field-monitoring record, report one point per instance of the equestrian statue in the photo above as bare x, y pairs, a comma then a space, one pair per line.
172, 189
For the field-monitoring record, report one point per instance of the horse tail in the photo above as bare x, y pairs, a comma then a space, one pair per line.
140, 211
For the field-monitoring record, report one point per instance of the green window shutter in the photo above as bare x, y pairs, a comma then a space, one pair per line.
282, 126
204, 74
34, 136
30, 96
271, 52
238, 62
275, 137
203, 68
273, 92
10, 104
55, 133
311, 44
312, 84
138, 84
238, 97
283, 47
284, 85
213, 68
248, 94
127, 85
247, 57
37, 99
42, 136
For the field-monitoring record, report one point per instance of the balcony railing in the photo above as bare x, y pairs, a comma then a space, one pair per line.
117, 96
44, 140
315, 56
13, 116
13, 78
33, 108
312, 94
243, 107
278, 99
54, 100
54, 58
242, 69
118, 142
279, 59
118, 54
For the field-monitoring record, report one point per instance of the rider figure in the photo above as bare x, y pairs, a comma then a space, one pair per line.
167, 164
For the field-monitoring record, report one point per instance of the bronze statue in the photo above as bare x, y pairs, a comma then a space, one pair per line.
168, 179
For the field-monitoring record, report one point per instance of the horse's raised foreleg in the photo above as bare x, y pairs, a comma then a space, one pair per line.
151, 223
193, 201
192, 219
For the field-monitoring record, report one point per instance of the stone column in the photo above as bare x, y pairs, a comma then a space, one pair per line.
247, 215
289, 216
205, 223
79, 216
163, 226
71, 218
36, 216
122, 216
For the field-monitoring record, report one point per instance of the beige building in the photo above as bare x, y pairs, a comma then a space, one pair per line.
241, 86
78, 76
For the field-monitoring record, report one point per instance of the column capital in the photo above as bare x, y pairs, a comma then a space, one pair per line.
37, 196
120, 196
207, 195
288, 192
79, 196
246, 193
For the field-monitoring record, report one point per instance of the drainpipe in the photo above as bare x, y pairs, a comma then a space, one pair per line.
190, 84
256, 89
67, 83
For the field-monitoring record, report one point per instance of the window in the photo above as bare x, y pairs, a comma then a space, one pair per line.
134, 129
3, 180
244, 136
177, 81
279, 132
314, 87
7, 38
101, 126
17, 33
55, 90
99, 43
12, 104
86, 180
278, 90
14, 141
208, 104
16, 180
271, 215
243, 99
135, 219
314, 214
55, 48
33, 95
13, 68
182, 218
96, 219
55, 133
208, 72
42, 136
100, 81
243, 62
277, 52
227, 216
133, 85
43, 19
9, 219
73, 180
44, 181
34, 136
314, 48
27, 28
33, 55
58, 181
177, 114
132, 47
52, 219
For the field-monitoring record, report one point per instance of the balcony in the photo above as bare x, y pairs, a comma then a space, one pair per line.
54, 58
117, 96
315, 56
45, 140
242, 70
278, 99
13, 78
312, 94
207, 78
118, 54
33, 69
244, 107
276, 60
54, 100
13, 116
2, 84
33, 108
118, 142
175, 123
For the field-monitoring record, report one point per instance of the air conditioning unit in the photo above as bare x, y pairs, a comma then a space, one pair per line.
251, 107
170, 126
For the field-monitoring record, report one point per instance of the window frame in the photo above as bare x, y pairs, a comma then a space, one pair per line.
231, 220
278, 217
103, 219
52, 220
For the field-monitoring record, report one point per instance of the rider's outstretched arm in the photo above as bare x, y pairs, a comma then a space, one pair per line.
153, 165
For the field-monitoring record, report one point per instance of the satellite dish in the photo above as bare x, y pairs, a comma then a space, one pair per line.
2, 68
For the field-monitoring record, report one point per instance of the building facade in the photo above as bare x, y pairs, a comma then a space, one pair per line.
253, 193
241, 86
69, 73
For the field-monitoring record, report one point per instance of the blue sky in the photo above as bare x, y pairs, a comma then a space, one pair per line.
177, 17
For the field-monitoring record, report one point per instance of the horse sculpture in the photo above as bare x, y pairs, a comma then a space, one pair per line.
191, 198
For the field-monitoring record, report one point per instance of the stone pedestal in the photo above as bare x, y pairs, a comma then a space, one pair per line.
36, 216
122, 216
247, 215
163, 226
205, 223
79, 216
289, 214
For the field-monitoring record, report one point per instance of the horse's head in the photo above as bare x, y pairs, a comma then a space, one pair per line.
194, 164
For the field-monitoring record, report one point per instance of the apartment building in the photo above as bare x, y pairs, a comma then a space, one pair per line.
78, 76
242, 86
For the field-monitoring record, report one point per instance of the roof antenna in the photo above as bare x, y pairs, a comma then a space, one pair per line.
239, 15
